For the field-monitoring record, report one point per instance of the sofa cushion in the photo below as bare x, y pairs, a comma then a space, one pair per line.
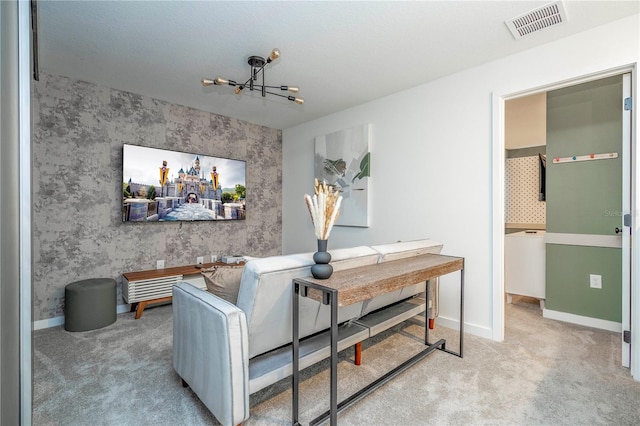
224, 281
266, 296
404, 249
395, 251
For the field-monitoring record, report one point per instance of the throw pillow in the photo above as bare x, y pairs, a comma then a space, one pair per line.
223, 281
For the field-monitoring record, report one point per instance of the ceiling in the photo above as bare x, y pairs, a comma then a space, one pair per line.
340, 53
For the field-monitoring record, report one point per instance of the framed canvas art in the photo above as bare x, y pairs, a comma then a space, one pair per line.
342, 159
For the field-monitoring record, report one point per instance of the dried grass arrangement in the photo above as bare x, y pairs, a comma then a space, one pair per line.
324, 208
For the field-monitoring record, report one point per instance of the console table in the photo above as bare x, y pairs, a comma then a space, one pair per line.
355, 285
142, 288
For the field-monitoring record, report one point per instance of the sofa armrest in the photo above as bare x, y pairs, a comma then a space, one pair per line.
210, 351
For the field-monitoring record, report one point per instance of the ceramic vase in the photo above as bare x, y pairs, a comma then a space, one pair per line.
322, 270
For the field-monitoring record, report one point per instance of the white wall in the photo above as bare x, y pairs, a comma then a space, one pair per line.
431, 158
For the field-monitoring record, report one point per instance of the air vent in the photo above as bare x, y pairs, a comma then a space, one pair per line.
537, 19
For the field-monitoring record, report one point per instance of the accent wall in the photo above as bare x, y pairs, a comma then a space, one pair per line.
78, 132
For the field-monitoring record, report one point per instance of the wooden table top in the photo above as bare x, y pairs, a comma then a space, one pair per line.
169, 272
366, 282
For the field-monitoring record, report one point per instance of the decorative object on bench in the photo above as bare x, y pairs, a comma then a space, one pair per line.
232, 259
324, 208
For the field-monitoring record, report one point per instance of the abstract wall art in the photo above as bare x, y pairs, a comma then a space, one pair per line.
342, 159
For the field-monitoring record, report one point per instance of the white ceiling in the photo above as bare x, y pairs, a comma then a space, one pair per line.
340, 54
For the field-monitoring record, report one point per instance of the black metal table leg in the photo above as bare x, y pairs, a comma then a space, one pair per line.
334, 358
461, 307
428, 314
295, 353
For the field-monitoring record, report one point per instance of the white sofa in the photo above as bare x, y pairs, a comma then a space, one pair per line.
226, 352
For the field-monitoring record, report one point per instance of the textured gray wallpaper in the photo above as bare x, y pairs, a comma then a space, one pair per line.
78, 132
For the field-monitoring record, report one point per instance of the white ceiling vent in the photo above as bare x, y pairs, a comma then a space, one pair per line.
537, 19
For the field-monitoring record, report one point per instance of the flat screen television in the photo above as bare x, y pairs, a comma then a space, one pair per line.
160, 185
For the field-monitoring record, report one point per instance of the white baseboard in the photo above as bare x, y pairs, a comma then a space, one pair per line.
443, 321
581, 320
468, 328
54, 322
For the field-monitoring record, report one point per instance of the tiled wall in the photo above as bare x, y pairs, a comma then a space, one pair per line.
521, 192
78, 132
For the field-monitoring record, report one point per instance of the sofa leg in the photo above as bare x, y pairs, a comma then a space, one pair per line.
358, 353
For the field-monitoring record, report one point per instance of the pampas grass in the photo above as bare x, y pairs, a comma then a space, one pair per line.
324, 208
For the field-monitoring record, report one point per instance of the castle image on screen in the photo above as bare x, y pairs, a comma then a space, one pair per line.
160, 185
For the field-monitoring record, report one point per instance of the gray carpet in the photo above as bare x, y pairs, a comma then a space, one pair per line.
544, 373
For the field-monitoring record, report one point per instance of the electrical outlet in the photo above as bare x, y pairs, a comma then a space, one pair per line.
159, 264
595, 281
200, 260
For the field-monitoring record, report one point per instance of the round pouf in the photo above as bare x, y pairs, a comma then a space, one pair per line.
89, 304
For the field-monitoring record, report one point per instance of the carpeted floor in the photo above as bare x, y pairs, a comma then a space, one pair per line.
544, 373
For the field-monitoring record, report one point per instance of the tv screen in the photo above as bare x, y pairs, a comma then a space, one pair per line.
162, 186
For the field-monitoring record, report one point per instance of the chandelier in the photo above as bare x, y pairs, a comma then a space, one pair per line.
257, 64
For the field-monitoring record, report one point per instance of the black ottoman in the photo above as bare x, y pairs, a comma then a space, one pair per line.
89, 304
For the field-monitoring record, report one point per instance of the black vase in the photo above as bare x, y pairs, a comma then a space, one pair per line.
322, 270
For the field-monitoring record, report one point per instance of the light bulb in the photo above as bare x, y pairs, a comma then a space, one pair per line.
292, 89
220, 81
207, 82
299, 101
275, 54
238, 90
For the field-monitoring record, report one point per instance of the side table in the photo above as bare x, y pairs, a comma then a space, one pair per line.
355, 285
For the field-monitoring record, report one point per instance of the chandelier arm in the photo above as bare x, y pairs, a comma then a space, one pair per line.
261, 69
246, 83
277, 94
277, 87
254, 73
291, 98
264, 93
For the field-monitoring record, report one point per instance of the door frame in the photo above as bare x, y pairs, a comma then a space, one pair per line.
498, 185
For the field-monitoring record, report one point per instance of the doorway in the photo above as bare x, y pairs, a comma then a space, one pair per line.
499, 203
